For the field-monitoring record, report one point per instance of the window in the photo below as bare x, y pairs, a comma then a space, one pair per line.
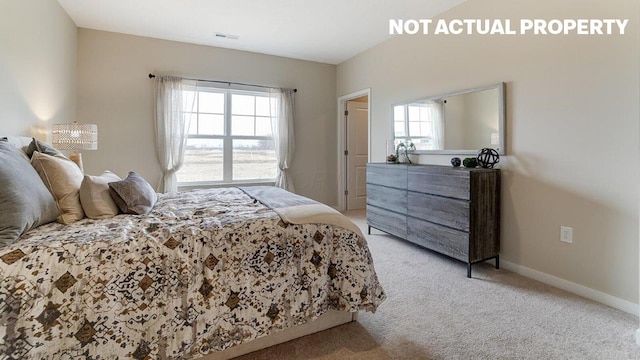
416, 123
230, 137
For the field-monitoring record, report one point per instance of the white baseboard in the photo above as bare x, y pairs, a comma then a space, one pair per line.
595, 295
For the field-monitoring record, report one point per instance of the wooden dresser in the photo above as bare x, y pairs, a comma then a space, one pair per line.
454, 211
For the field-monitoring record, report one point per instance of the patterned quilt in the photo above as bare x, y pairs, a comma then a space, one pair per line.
205, 270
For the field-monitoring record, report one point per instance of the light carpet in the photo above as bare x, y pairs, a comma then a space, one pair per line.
434, 311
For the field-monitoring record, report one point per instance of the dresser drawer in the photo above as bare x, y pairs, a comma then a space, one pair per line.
453, 211
391, 175
440, 210
442, 181
442, 239
387, 198
387, 221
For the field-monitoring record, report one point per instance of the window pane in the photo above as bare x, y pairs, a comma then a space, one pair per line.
242, 126
398, 113
414, 113
398, 120
189, 101
424, 114
242, 105
211, 124
193, 124
263, 126
398, 128
211, 102
263, 106
420, 128
414, 128
254, 160
202, 161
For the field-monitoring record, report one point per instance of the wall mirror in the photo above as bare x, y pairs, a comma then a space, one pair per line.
461, 122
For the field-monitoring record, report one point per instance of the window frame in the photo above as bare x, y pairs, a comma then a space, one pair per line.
227, 138
407, 137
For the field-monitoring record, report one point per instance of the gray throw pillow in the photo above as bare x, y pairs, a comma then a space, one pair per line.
39, 146
26, 201
19, 142
133, 195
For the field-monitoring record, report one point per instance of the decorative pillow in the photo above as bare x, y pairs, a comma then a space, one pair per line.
26, 202
63, 178
39, 146
133, 195
95, 197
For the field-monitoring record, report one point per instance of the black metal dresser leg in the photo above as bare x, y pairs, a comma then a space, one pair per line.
497, 261
469, 270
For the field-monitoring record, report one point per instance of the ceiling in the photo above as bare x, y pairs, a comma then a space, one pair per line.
327, 31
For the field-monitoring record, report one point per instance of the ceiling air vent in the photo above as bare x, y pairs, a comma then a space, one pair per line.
225, 36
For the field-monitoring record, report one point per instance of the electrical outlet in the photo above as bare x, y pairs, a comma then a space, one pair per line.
566, 234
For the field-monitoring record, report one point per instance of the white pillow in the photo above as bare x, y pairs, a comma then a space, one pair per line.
95, 197
63, 178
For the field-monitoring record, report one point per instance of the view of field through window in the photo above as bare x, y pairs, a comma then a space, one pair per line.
413, 124
242, 137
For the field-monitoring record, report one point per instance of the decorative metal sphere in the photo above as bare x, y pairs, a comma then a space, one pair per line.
455, 162
488, 158
470, 162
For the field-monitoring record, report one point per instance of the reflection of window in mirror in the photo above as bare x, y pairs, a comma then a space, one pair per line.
423, 126
398, 121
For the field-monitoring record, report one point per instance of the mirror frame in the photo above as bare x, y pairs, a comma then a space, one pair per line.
501, 120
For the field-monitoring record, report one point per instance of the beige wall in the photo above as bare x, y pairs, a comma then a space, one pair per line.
115, 93
480, 111
38, 44
572, 129
455, 133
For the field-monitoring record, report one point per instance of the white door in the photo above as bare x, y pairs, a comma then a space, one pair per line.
357, 154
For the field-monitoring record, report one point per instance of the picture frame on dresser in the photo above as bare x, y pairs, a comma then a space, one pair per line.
453, 211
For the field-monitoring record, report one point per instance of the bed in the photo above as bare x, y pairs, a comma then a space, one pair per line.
204, 271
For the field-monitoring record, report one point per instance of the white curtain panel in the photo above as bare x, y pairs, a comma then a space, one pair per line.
436, 114
173, 115
284, 137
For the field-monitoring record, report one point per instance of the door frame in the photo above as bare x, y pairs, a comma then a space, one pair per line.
342, 139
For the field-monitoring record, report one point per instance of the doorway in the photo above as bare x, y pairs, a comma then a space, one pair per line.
353, 149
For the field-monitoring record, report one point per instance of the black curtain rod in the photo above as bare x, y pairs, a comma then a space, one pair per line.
151, 76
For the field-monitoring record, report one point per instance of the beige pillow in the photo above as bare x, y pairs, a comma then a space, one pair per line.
95, 197
63, 178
